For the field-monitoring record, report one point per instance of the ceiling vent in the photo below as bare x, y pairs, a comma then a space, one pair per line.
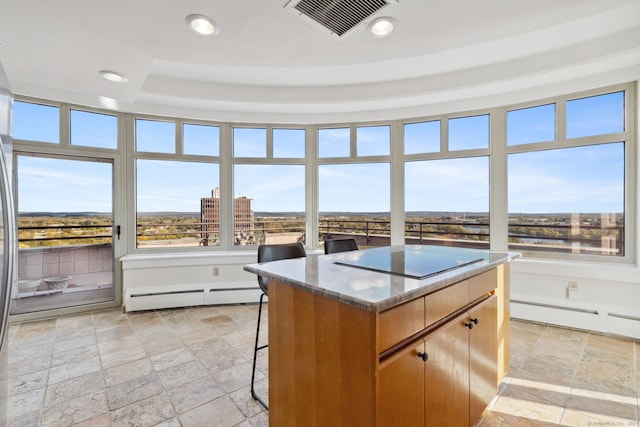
338, 16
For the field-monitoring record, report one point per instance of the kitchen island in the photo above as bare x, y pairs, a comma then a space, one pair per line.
391, 336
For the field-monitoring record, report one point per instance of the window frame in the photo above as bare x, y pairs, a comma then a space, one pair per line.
269, 159
133, 155
627, 137
64, 149
497, 151
354, 158
446, 153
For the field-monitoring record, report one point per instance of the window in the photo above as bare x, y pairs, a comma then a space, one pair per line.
36, 122
269, 193
172, 206
568, 200
422, 137
354, 197
533, 124
354, 201
447, 202
446, 191
155, 136
249, 142
568, 162
201, 140
369, 141
595, 115
334, 142
94, 129
373, 140
269, 204
466, 133
66, 189
289, 143
177, 198
65, 232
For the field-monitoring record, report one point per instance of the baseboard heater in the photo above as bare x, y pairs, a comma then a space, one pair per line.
557, 307
624, 316
158, 298
190, 291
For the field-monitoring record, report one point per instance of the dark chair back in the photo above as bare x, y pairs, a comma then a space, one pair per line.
340, 245
268, 253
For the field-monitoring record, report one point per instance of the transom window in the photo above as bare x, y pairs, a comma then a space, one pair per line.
36, 122
467, 133
532, 124
422, 137
199, 139
289, 143
595, 115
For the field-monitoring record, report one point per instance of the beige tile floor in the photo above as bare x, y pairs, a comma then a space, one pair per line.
192, 367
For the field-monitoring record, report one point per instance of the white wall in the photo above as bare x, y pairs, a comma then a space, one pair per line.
164, 280
607, 299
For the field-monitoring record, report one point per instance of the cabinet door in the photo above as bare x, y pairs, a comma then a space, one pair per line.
483, 357
447, 375
401, 388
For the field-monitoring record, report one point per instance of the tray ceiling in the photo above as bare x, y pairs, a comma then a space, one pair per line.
269, 64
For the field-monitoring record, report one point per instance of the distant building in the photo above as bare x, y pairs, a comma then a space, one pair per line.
210, 217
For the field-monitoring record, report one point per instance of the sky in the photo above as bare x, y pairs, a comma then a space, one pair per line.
583, 179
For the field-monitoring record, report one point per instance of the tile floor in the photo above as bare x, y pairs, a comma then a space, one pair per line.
192, 367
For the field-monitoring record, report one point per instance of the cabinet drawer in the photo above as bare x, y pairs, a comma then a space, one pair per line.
445, 301
401, 322
482, 284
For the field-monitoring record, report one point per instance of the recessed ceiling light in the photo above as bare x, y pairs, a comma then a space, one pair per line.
113, 76
201, 24
382, 26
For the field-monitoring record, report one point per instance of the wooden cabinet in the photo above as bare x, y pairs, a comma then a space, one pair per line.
447, 375
461, 370
446, 379
425, 362
402, 391
483, 358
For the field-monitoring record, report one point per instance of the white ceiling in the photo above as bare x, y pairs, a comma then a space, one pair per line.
269, 64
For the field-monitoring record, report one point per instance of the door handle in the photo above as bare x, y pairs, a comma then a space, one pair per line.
472, 322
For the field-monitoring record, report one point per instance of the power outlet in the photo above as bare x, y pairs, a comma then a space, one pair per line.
573, 292
216, 271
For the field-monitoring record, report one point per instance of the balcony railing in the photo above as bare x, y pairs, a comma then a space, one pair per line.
474, 234
470, 234
66, 235
569, 238
207, 234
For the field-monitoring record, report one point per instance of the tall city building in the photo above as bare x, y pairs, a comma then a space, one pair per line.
210, 216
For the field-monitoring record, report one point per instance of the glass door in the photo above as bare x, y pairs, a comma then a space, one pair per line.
65, 233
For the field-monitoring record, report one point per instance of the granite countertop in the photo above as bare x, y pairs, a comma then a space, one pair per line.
359, 284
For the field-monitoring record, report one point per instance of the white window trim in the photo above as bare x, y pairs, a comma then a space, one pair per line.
497, 153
